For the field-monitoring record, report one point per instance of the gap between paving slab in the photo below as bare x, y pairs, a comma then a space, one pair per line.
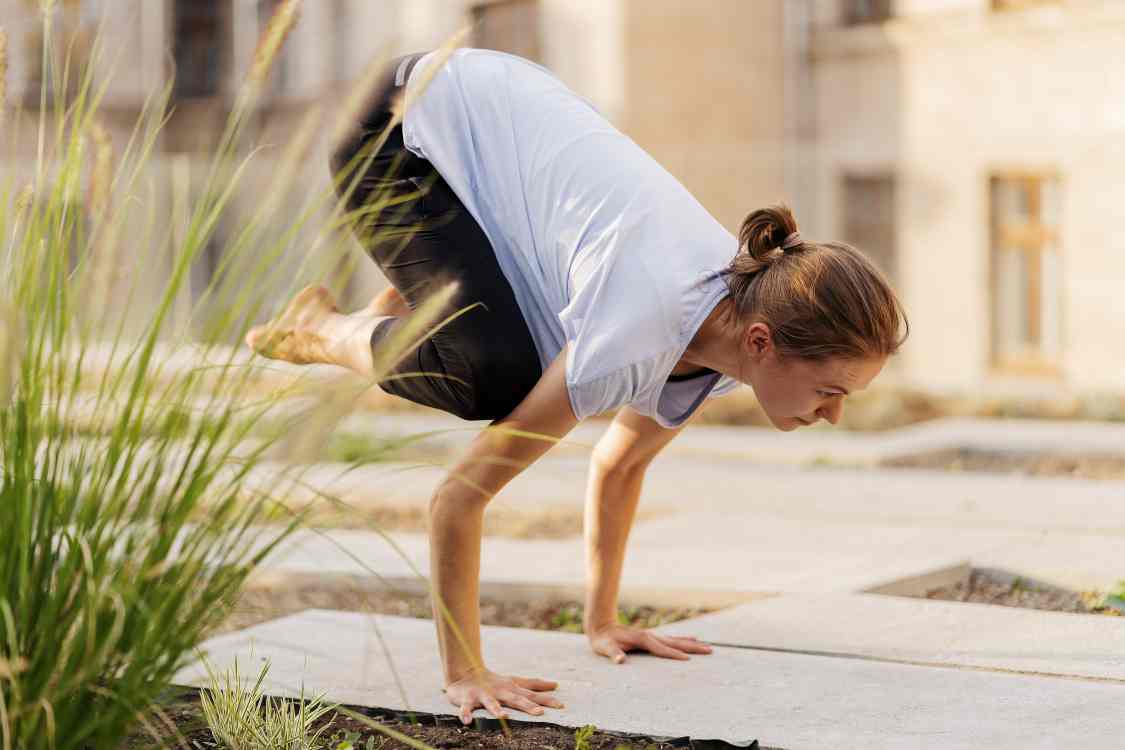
508, 592
792, 701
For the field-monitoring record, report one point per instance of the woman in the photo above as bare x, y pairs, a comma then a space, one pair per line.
604, 284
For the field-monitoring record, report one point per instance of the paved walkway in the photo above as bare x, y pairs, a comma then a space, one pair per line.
796, 701
735, 526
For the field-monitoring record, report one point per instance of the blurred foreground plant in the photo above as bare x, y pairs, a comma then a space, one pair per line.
109, 572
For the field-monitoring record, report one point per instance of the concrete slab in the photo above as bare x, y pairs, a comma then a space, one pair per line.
792, 701
923, 631
759, 556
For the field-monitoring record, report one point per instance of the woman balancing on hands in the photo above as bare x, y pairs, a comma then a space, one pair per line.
604, 284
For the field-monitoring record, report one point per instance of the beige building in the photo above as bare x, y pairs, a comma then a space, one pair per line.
977, 148
973, 147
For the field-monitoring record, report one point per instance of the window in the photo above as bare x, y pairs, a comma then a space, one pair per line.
1026, 273
866, 11
508, 26
199, 47
869, 218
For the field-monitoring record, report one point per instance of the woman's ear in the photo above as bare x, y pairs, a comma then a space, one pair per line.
758, 340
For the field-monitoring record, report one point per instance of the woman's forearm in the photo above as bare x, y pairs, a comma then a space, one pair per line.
612, 496
456, 522
496, 455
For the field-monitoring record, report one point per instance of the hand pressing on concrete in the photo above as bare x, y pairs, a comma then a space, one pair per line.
492, 691
612, 641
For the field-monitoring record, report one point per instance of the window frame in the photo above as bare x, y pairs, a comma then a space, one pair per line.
893, 267
1036, 364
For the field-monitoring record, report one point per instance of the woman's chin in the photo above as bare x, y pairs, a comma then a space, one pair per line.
785, 424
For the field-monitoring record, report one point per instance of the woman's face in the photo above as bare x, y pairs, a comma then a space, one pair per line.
796, 392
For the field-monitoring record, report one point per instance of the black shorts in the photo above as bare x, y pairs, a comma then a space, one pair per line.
484, 362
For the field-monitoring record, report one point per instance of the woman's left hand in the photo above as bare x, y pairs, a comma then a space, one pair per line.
612, 641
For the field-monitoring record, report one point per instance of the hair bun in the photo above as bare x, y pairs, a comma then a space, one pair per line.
768, 232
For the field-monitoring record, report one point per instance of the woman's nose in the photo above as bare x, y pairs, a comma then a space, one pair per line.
832, 411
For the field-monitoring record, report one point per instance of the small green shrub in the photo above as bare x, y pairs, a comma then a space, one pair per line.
582, 737
242, 718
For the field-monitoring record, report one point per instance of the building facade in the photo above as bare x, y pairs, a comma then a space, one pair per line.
973, 148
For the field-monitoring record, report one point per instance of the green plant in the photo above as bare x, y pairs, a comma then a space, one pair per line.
568, 618
582, 737
243, 718
110, 574
349, 740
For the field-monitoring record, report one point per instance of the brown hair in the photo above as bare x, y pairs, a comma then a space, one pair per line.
820, 299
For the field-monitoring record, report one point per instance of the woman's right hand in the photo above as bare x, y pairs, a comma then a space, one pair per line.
491, 691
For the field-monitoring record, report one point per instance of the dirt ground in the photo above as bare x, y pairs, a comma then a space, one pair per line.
484, 734
500, 521
260, 604
990, 588
1078, 466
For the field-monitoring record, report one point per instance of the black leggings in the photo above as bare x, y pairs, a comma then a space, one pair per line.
484, 362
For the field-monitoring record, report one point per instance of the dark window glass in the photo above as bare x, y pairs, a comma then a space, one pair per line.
866, 11
199, 46
869, 218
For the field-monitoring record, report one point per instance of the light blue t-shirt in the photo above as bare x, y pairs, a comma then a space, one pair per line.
603, 247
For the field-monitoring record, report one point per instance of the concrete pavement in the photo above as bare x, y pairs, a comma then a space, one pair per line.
785, 700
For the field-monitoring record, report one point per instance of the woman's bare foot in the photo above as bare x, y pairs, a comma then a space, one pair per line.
388, 302
297, 335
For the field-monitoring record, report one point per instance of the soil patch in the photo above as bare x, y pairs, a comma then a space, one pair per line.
255, 605
1075, 466
499, 521
191, 732
991, 587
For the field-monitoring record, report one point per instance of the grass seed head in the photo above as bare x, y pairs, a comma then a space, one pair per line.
272, 39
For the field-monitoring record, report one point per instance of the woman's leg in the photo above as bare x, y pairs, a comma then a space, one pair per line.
479, 365
312, 330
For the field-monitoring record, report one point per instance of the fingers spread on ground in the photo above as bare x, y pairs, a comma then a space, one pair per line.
532, 683
493, 706
690, 645
541, 698
516, 700
545, 700
659, 648
467, 710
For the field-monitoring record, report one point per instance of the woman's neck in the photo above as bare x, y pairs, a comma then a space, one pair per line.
715, 345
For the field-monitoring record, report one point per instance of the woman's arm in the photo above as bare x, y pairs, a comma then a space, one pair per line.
456, 518
617, 469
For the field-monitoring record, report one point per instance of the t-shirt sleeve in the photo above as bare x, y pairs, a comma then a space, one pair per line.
598, 395
723, 387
